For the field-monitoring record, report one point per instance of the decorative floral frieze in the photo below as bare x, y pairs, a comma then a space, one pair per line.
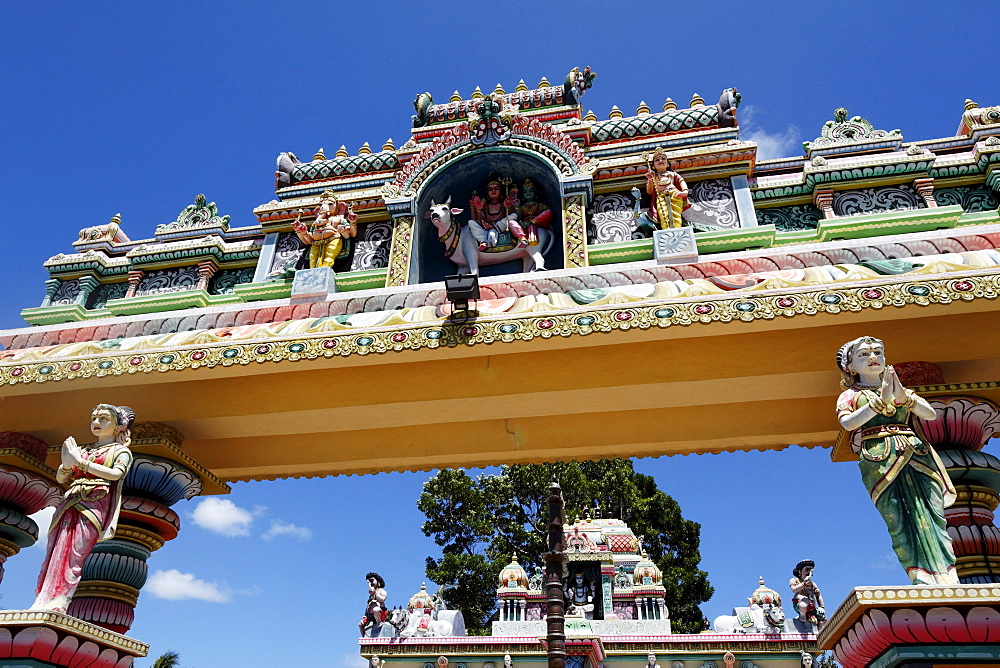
972, 199
163, 281
842, 131
791, 218
876, 200
225, 281
372, 249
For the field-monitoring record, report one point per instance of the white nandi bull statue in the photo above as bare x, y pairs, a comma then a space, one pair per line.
426, 617
763, 615
462, 248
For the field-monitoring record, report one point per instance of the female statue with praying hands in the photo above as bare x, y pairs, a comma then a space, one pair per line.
88, 512
903, 473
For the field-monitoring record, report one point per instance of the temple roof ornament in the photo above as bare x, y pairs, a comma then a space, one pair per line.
764, 595
199, 216
647, 573
421, 599
842, 133
513, 576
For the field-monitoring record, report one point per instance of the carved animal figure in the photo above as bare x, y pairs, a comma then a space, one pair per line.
422, 105
767, 618
283, 174
728, 101
442, 624
462, 248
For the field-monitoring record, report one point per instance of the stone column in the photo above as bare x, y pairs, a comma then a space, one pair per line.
925, 188
114, 573
206, 269
555, 611
26, 486
823, 199
134, 277
963, 426
51, 285
87, 285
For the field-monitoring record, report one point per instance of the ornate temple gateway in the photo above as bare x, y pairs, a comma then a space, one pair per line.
636, 275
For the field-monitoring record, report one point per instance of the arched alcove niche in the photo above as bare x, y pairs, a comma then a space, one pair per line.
471, 172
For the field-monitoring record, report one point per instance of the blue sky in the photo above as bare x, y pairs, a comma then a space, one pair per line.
135, 108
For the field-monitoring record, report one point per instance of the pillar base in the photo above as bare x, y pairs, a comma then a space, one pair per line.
43, 638
886, 627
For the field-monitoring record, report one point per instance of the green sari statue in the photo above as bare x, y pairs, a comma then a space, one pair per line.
900, 469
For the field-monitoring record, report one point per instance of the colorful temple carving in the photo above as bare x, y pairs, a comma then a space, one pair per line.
613, 257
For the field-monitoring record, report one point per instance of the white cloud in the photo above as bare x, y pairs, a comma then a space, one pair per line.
279, 528
43, 518
224, 517
770, 145
176, 586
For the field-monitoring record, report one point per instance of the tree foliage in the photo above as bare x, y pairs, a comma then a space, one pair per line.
480, 523
168, 659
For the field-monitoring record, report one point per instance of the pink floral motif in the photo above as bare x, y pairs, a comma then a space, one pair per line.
329, 343
872, 294
703, 309
546, 324
786, 302
136, 361
399, 337
623, 316
963, 286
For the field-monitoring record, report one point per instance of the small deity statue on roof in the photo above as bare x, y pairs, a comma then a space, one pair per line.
807, 599
899, 467
537, 579
533, 214
375, 610
507, 661
334, 222
88, 512
651, 661
487, 219
668, 192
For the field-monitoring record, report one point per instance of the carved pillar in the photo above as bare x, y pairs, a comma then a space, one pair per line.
399, 252
161, 475
87, 285
51, 285
134, 277
555, 617
962, 427
574, 231
26, 486
925, 188
823, 199
206, 269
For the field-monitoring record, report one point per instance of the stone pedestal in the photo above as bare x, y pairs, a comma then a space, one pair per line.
675, 246
161, 475
313, 284
30, 638
890, 627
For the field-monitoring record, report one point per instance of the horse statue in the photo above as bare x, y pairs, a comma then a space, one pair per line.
462, 248
765, 618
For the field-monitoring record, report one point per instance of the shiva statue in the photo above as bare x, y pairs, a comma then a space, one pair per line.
580, 597
88, 512
334, 222
807, 599
899, 467
668, 192
375, 610
533, 214
497, 214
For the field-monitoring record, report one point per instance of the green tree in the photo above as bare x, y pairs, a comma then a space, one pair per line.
168, 659
480, 523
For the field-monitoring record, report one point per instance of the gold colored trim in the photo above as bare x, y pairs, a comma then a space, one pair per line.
73, 626
107, 589
8, 548
142, 536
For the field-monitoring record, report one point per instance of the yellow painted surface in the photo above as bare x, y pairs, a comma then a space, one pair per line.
701, 388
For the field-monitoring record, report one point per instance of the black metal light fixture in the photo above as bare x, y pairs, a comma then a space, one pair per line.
460, 289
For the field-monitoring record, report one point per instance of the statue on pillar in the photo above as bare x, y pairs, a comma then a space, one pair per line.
899, 467
375, 610
806, 599
334, 222
88, 512
668, 193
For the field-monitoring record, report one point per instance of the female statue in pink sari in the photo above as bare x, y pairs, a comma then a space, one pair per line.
88, 512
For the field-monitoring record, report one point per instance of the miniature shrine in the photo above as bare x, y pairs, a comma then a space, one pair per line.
610, 259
